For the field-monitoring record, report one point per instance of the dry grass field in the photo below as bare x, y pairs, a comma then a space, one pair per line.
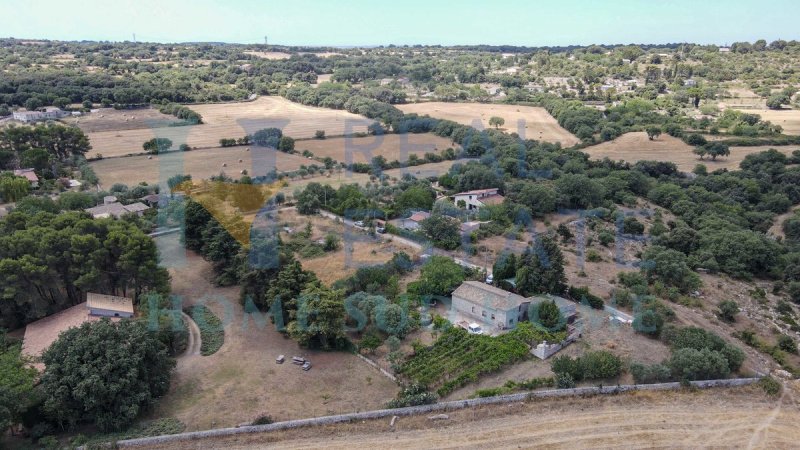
233, 120
242, 381
268, 55
110, 119
633, 147
200, 164
719, 418
741, 97
537, 123
390, 146
789, 119
358, 249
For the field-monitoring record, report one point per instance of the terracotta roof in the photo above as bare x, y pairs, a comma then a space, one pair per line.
115, 209
419, 216
487, 295
28, 174
109, 302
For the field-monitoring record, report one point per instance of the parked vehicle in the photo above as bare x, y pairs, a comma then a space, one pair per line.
307, 366
380, 230
359, 223
490, 279
472, 328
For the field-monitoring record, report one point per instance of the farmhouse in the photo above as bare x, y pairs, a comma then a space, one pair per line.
102, 305
49, 113
413, 222
28, 174
489, 305
117, 210
501, 309
478, 198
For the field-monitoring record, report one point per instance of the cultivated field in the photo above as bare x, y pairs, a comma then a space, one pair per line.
200, 164
719, 418
633, 147
536, 123
233, 120
390, 146
268, 55
242, 381
742, 97
110, 119
789, 119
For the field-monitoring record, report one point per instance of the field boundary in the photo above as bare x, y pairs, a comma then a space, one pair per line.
436, 407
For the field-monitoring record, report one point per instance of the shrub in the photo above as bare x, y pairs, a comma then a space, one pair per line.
413, 395
770, 385
647, 374
564, 381
728, 310
594, 365
212, 332
649, 322
593, 256
582, 295
689, 364
787, 344
263, 419
605, 237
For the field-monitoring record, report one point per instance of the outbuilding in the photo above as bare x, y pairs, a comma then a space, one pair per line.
103, 305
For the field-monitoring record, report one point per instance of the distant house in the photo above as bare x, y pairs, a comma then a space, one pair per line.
151, 199
724, 49
413, 223
49, 113
101, 305
478, 198
116, 210
690, 83
28, 174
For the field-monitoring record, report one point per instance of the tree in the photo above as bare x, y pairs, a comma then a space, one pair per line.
331, 243
670, 267
696, 140
776, 101
415, 197
579, 191
728, 310
286, 144
13, 188
439, 276
74, 201
504, 267
104, 373
717, 149
157, 145
689, 364
547, 314
267, 137
320, 319
319, 134
541, 269
496, 122
37, 158
653, 132
16, 383
442, 230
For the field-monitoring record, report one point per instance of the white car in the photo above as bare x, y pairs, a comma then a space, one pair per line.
359, 223
490, 279
474, 328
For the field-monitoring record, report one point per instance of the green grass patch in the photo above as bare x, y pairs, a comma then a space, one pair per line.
458, 358
212, 332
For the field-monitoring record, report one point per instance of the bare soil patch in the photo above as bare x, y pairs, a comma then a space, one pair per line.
268, 55
529, 121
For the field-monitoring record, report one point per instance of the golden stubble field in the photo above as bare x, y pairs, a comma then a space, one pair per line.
633, 147
789, 119
232, 120
362, 150
528, 121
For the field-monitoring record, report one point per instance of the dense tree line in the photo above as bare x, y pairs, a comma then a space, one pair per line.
50, 261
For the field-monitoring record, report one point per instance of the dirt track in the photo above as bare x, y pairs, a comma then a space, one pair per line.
738, 418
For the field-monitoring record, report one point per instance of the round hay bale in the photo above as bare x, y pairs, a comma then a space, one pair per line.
149, 157
224, 165
240, 160
248, 149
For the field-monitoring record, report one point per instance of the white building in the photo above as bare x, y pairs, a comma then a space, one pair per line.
49, 113
478, 198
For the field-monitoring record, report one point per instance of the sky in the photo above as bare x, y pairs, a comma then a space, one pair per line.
366, 23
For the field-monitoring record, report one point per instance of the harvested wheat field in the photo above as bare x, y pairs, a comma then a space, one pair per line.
789, 119
721, 418
537, 123
268, 55
200, 164
242, 381
362, 150
234, 120
110, 119
633, 147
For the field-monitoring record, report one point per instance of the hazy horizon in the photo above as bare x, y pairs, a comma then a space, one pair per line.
357, 23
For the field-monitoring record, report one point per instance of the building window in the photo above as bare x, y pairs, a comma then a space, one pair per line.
473, 309
492, 316
511, 321
483, 313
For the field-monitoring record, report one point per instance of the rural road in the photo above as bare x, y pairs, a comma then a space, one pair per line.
410, 243
193, 347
